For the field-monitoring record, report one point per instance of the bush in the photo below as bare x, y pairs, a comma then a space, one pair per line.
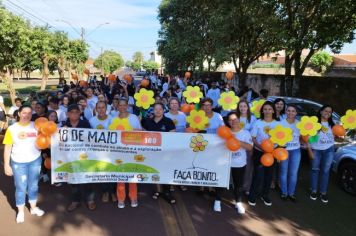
321, 61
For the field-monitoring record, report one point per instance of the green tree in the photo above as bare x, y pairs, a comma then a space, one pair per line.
78, 53
150, 65
13, 33
312, 25
321, 60
137, 60
60, 50
109, 61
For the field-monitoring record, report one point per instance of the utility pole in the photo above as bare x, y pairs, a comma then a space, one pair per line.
82, 33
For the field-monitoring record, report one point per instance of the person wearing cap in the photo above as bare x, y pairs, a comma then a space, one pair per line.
74, 121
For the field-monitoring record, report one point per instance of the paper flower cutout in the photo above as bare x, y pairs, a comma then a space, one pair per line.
192, 94
256, 107
197, 143
281, 135
144, 98
349, 119
309, 125
197, 119
228, 100
83, 156
120, 124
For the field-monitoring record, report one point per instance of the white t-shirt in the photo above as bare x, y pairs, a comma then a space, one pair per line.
214, 123
247, 125
134, 121
114, 113
1, 101
13, 109
295, 143
179, 120
23, 140
97, 123
238, 158
88, 113
214, 94
61, 114
326, 138
261, 128
92, 102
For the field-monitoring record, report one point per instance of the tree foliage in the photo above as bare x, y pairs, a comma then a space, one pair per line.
321, 60
109, 61
150, 65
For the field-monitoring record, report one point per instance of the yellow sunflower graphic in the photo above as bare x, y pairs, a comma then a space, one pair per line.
324, 129
192, 94
256, 107
118, 161
349, 119
281, 135
197, 119
228, 100
144, 98
100, 127
197, 143
120, 124
242, 125
266, 129
83, 156
309, 125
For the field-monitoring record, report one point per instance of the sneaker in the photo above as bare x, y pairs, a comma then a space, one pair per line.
20, 217
121, 205
284, 197
251, 202
134, 203
293, 198
105, 197
266, 201
240, 208
324, 198
171, 188
217, 206
45, 178
313, 196
37, 211
113, 197
58, 184
183, 188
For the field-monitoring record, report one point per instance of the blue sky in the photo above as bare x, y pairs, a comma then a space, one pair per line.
133, 24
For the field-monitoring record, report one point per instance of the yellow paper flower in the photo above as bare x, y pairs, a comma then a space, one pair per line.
197, 143
281, 135
192, 94
139, 158
349, 119
197, 119
256, 107
120, 124
228, 100
144, 98
83, 156
309, 125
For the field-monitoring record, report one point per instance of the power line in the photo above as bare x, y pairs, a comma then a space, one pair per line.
21, 14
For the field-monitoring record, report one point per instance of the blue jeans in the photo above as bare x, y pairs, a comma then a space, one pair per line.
321, 165
26, 177
289, 172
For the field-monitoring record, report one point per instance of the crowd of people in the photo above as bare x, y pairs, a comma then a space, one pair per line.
95, 103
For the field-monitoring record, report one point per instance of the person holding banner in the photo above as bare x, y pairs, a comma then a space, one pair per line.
74, 121
160, 123
23, 161
134, 124
102, 121
215, 119
261, 173
238, 162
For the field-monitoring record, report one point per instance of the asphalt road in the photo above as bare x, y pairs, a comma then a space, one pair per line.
192, 215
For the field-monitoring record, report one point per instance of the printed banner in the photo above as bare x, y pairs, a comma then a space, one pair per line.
98, 156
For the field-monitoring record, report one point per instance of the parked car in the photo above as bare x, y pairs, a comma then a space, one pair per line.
304, 107
344, 165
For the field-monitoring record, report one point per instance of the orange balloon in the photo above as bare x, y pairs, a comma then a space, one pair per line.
128, 78
39, 122
233, 144
112, 78
267, 159
224, 132
280, 154
43, 141
49, 128
185, 108
86, 71
191, 107
145, 83
267, 146
338, 130
83, 83
47, 163
191, 130
229, 75
187, 75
